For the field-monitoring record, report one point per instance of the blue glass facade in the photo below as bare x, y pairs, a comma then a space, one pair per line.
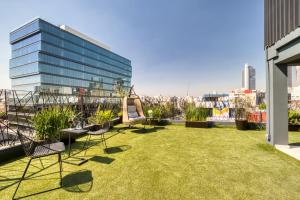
48, 58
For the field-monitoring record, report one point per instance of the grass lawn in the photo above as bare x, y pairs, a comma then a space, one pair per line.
171, 162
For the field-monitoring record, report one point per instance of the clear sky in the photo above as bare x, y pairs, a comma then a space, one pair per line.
175, 46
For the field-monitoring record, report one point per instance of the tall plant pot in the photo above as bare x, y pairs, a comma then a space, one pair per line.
294, 127
196, 124
241, 124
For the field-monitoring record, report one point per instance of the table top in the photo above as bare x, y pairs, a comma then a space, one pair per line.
74, 130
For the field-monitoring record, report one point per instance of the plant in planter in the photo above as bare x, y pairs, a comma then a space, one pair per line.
48, 122
101, 117
120, 116
242, 105
2, 115
196, 117
158, 112
150, 113
262, 106
294, 120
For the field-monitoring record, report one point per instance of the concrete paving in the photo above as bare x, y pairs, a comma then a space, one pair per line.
291, 150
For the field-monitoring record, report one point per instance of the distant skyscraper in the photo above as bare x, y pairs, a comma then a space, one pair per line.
248, 77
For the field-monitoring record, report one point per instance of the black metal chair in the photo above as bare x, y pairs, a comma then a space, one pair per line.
35, 150
96, 130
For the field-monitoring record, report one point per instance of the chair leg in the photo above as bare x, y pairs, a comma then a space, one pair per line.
60, 167
22, 178
103, 142
87, 141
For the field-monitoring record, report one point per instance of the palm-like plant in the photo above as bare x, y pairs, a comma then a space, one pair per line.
242, 107
193, 113
48, 122
294, 117
101, 117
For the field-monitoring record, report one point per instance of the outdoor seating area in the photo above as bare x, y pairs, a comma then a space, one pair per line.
76, 147
213, 116
215, 163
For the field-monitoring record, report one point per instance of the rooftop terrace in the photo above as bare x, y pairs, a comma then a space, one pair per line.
164, 162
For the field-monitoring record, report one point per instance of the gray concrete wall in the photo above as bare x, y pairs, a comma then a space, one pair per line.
277, 104
283, 53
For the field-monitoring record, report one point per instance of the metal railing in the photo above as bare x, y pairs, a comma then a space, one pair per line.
18, 107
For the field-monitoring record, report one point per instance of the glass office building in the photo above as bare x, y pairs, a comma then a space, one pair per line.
59, 59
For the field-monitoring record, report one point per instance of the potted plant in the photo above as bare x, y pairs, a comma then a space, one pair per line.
262, 107
49, 121
242, 104
3, 115
294, 120
196, 117
101, 118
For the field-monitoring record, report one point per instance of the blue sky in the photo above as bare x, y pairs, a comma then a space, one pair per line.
175, 46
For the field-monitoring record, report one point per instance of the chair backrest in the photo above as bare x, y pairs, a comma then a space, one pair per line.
28, 144
132, 101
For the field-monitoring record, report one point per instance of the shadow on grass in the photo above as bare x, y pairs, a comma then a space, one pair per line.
117, 149
8, 182
148, 130
104, 160
81, 181
266, 147
45, 191
77, 147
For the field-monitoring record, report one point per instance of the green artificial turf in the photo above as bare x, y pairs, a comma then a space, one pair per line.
171, 162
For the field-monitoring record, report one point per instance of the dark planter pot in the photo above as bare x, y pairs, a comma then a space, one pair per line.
198, 124
97, 127
241, 124
256, 126
117, 120
3, 118
11, 152
156, 122
153, 122
120, 119
294, 127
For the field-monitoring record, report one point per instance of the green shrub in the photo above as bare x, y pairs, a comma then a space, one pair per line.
242, 106
101, 117
262, 106
2, 114
157, 113
120, 114
294, 117
48, 122
167, 110
193, 113
159, 110
153, 111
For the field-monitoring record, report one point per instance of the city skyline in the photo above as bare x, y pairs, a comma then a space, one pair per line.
161, 50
